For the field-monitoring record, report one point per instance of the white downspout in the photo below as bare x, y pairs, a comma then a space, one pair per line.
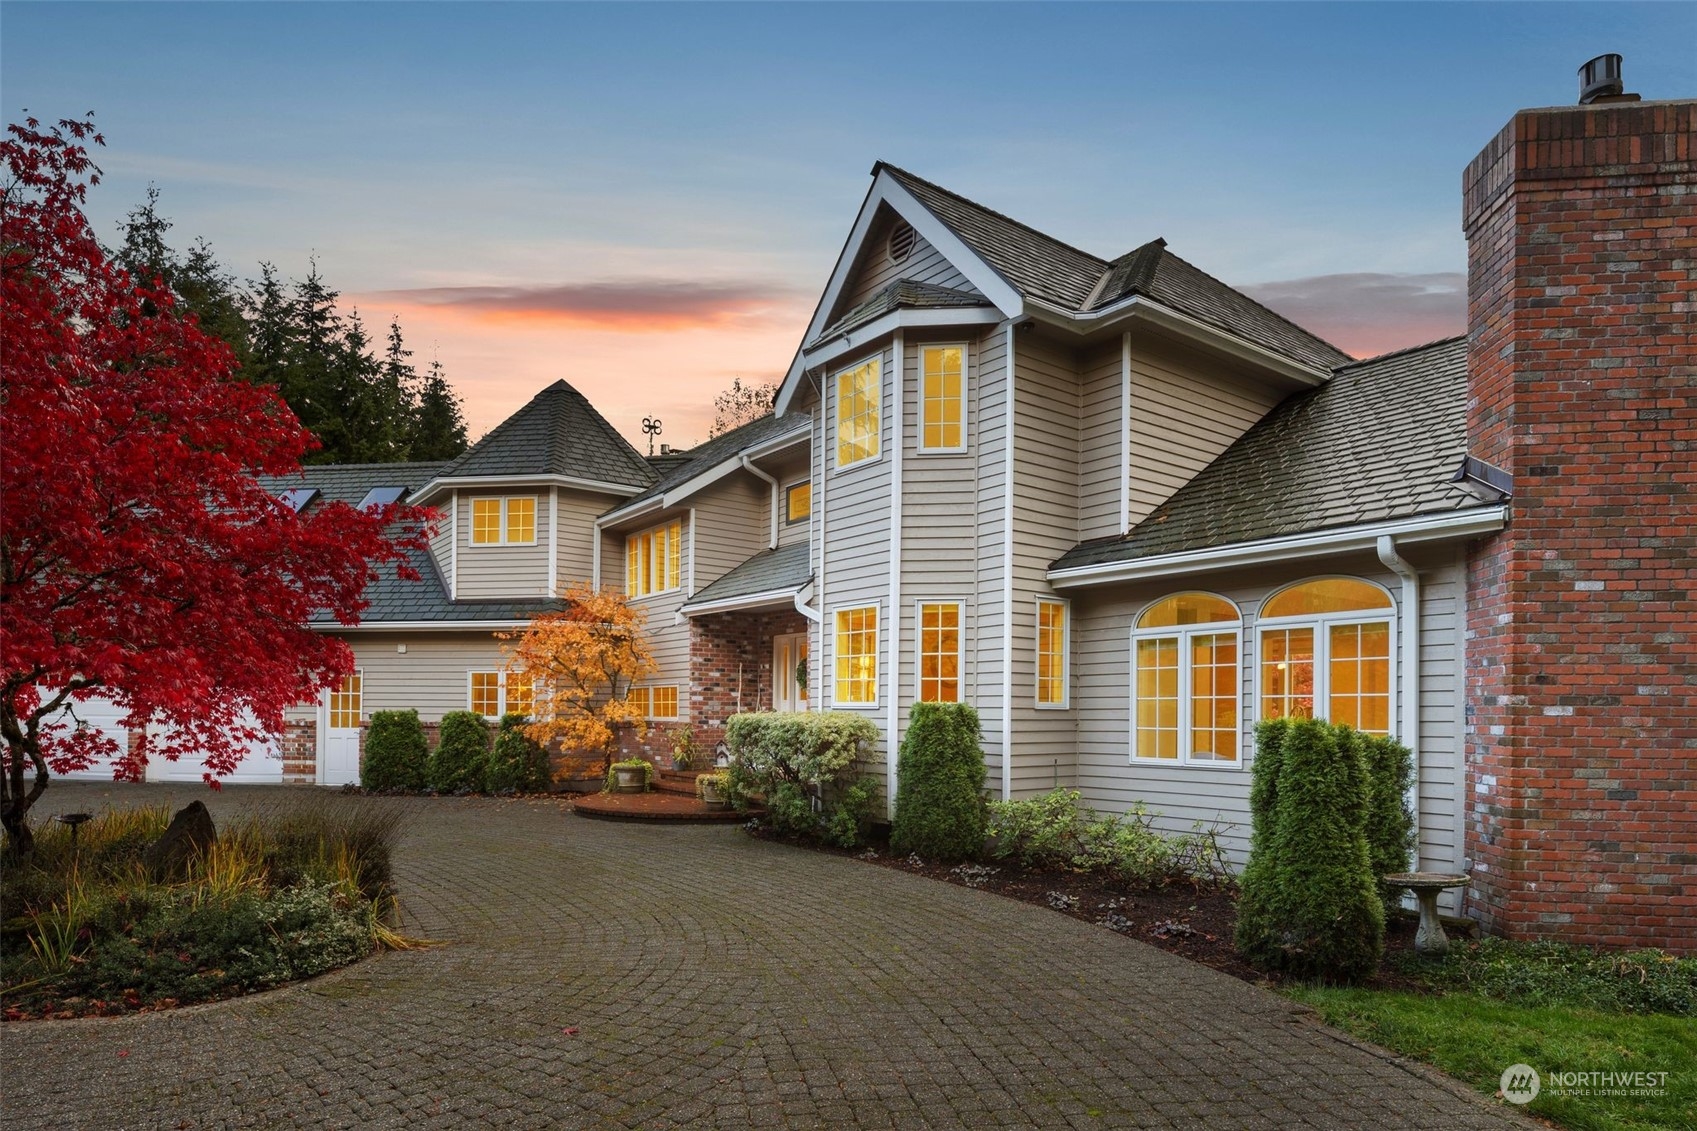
1125, 432
595, 556
892, 724
748, 466
1007, 581
1409, 712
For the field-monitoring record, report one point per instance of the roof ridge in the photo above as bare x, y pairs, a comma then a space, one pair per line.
1433, 344
1252, 300
899, 171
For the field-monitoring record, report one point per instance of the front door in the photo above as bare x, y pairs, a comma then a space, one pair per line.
789, 672
339, 736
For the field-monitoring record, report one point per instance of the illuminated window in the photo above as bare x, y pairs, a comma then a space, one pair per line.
798, 502
510, 521
939, 651
639, 698
1184, 666
486, 694
652, 560
345, 702
942, 399
521, 694
859, 398
663, 703
1326, 652
1053, 637
857, 656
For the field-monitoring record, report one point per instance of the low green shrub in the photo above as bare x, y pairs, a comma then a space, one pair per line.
801, 766
848, 820
395, 752
1039, 832
517, 762
1311, 905
1052, 832
461, 755
939, 785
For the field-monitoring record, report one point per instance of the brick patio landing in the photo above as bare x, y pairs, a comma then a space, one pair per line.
672, 800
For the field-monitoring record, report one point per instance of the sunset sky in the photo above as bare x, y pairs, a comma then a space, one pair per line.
646, 199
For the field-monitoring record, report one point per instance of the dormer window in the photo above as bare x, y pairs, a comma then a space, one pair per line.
507, 521
652, 560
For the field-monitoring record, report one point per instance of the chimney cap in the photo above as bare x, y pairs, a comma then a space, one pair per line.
1600, 78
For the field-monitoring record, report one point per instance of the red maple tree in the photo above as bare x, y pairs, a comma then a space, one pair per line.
140, 559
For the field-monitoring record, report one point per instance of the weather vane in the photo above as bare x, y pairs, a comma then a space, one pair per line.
651, 426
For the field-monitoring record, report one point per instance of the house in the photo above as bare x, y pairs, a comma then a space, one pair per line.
1126, 512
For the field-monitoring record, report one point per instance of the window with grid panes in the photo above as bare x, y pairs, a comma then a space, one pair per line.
1185, 680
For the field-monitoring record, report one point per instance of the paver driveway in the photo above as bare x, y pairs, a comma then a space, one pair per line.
633, 976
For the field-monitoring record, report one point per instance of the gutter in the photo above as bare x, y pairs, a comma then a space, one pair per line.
768, 598
1464, 524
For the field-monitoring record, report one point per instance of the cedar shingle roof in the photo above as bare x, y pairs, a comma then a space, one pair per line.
557, 433
1381, 440
1043, 267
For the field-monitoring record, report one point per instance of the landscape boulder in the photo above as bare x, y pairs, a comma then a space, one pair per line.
190, 832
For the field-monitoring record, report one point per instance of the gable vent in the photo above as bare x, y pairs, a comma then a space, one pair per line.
901, 241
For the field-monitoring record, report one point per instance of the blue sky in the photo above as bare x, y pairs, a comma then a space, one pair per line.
664, 188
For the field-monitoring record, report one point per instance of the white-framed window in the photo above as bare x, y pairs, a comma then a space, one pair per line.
504, 521
655, 702
1054, 652
855, 655
652, 559
346, 701
1185, 679
942, 632
942, 398
798, 501
1325, 649
497, 693
860, 395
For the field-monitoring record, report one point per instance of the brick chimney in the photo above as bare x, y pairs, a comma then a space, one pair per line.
1581, 226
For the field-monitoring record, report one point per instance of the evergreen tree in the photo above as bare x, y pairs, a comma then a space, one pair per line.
439, 430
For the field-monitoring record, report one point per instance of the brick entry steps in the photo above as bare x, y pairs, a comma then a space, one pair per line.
672, 800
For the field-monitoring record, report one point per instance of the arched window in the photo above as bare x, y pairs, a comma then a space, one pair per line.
1325, 651
1184, 680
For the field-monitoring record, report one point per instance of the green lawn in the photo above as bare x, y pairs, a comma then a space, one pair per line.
1473, 1038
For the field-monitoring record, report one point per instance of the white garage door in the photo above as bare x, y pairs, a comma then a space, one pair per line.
262, 765
102, 715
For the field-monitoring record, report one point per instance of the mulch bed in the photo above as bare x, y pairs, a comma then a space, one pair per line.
1196, 924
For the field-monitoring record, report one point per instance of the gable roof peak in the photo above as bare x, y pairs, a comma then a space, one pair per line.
911, 179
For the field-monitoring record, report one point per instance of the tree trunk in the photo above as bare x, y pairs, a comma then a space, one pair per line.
20, 841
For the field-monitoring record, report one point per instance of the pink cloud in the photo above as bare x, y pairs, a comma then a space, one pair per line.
1366, 314
637, 306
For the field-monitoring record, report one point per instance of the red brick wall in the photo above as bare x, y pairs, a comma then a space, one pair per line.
1582, 614
300, 752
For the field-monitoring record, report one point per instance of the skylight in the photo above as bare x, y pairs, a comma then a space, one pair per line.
296, 498
381, 497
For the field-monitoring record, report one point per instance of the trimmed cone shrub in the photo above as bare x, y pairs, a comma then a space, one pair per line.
1310, 904
1390, 824
516, 762
939, 785
395, 752
461, 754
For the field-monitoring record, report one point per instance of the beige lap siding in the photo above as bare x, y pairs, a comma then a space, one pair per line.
430, 676
502, 570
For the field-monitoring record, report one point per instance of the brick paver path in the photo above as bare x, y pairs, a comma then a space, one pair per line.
608, 975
